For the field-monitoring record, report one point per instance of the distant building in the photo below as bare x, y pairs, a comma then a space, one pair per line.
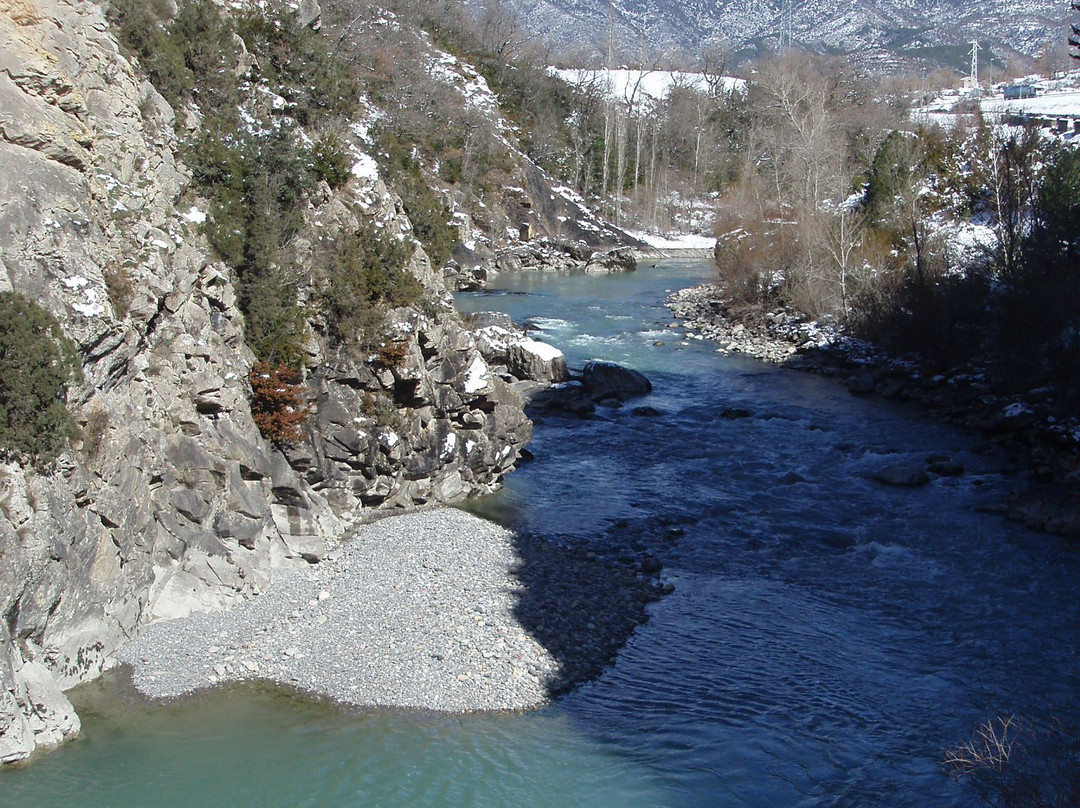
1017, 91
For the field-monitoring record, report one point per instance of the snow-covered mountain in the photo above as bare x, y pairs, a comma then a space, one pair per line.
880, 34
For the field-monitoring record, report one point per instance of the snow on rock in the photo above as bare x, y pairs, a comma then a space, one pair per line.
448, 446
548, 353
365, 168
93, 307
1016, 409
530, 359
525, 358
194, 215
476, 377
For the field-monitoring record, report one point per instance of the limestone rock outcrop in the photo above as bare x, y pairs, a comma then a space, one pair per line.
171, 501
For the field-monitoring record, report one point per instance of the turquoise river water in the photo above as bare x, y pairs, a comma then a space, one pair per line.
827, 636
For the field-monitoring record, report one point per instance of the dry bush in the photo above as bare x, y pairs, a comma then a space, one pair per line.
94, 432
750, 251
278, 402
120, 287
1016, 763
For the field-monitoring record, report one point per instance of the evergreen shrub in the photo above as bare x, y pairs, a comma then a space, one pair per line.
366, 271
37, 364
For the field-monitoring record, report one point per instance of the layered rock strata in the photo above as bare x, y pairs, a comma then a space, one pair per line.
171, 502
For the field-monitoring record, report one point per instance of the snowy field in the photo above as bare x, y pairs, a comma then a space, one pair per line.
1056, 98
639, 86
1048, 104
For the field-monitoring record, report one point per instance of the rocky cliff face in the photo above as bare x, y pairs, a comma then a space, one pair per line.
171, 501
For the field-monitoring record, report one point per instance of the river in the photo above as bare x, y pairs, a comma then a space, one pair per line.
826, 638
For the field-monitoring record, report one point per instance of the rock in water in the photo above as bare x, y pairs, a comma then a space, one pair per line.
946, 468
608, 380
903, 475
735, 413
531, 359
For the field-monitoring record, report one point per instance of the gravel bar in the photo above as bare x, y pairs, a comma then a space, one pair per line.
423, 610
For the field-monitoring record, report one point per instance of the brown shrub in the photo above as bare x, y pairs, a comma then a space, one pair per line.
278, 402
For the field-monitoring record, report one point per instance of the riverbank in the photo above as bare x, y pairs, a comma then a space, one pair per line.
435, 609
1042, 446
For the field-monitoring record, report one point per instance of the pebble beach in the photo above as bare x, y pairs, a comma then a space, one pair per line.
435, 609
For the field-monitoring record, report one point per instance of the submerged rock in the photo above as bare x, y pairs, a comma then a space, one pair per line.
735, 414
902, 475
608, 380
946, 468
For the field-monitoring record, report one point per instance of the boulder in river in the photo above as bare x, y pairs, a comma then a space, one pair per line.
566, 397
603, 380
531, 359
735, 413
503, 343
622, 259
946, 468
862, 383
903, 475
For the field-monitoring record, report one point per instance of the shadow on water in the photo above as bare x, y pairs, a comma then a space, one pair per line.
580, 607
829, 634
582, 602
588, 576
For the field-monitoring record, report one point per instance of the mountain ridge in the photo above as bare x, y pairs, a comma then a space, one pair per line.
899, 33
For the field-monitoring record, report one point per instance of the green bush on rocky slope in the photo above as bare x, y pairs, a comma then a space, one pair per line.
37, 364
265, 139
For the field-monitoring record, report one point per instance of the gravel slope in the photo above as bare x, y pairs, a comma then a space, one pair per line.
415, 611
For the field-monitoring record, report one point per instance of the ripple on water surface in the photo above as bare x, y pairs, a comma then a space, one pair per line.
828, 635
826, 638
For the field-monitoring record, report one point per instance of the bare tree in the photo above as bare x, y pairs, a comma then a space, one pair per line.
501, 30
842, 242
713, 64
798, 128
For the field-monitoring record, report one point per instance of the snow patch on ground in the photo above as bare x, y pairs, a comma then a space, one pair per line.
968, 242
675, 241
365, 168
